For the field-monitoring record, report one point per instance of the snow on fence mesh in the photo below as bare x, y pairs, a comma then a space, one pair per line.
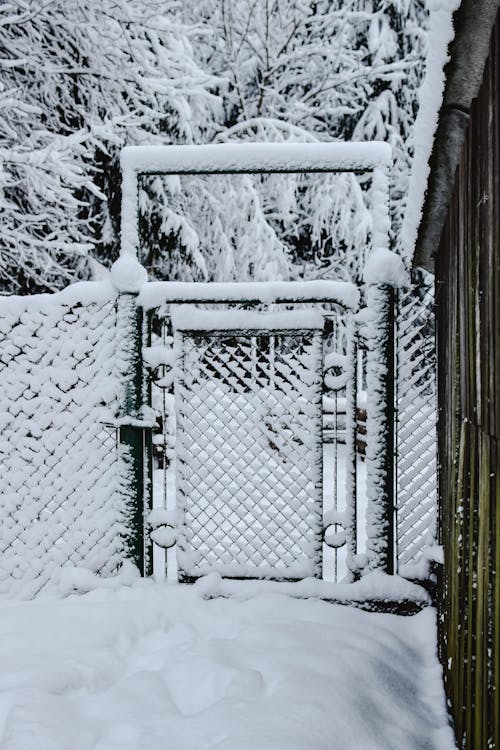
416, 464
59, 499
62, 485
249, 453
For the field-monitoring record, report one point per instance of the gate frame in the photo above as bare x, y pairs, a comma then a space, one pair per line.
272, 158
344, 295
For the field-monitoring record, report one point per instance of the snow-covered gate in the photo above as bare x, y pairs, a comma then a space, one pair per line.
250, 421
373, 158
246, 403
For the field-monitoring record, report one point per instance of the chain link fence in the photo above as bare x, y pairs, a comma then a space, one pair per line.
60, 501
416, 414
69, 497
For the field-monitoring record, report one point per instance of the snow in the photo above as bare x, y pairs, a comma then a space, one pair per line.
188, 318
82, 293
158, 293
373, 586
256, 157
154, 665
380, 209
129, 235
334, 539
164, 536
131, 422
162, 517
430, 95
334, 359
385, 267
248, 447
157, 356
128, 275
423, 569
336, 382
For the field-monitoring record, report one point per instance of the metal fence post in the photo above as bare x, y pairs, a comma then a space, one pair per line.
351, 446
133, 429
380, 429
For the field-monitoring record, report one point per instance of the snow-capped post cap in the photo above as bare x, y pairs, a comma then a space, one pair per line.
128, 275
385, 267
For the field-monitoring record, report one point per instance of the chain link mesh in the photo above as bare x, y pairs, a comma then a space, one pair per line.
249, 467
416, 462
59, 499
249, 454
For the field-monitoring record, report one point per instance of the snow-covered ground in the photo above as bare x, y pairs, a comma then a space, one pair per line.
154, 666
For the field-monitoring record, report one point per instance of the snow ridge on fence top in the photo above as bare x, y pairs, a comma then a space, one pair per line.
82, 293
257, 157
188, 318
128, 275
158, 293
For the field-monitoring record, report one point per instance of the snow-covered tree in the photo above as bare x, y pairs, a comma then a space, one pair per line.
299, 70
79, 78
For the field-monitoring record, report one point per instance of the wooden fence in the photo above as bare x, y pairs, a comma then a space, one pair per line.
468, 299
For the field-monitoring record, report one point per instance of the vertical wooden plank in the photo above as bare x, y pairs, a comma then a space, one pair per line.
495, 610
481, 594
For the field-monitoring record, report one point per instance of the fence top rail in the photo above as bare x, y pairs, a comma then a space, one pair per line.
248, 158
158, 293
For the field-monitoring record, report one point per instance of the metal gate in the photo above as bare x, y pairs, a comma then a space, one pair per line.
240, 444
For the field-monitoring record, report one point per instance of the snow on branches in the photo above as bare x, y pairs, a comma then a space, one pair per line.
80, 78
297, 71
